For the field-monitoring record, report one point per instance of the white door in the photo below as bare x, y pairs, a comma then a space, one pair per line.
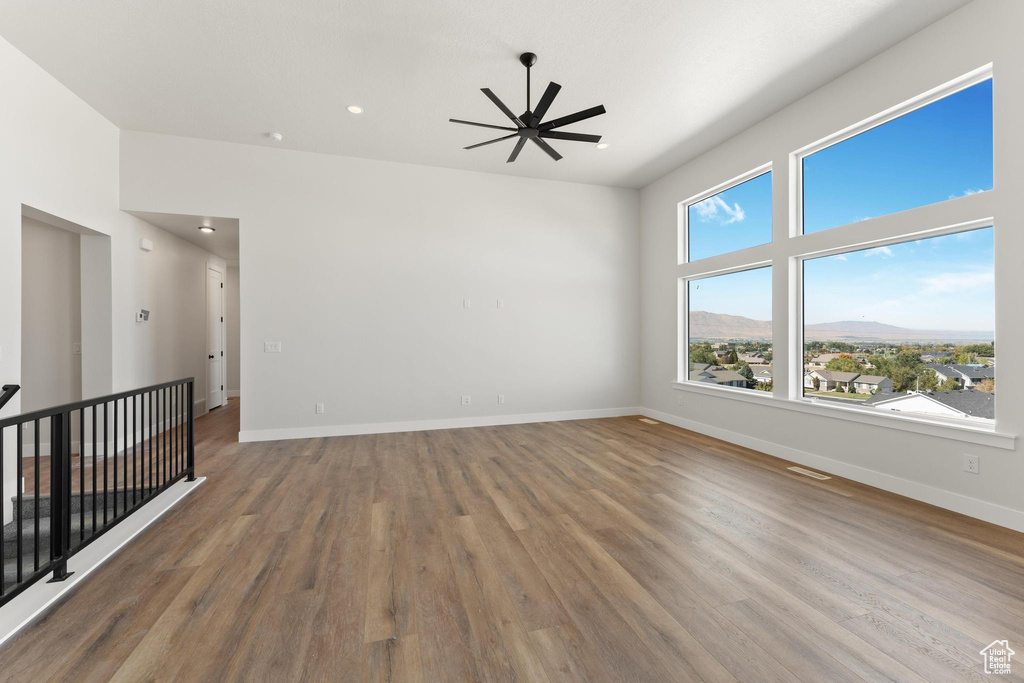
215, 337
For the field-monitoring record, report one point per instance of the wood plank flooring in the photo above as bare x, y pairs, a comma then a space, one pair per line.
598, 550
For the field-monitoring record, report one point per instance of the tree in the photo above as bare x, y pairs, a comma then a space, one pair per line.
731, 357
928, 380
817, 384
703, 353
839, 388
768, 357
743, 369
764, 386
986, 385
951, 384
844, 363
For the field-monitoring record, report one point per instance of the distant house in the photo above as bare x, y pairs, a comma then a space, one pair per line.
716, 374
763, 374
872, 384
828, 380
966, 376
961, 403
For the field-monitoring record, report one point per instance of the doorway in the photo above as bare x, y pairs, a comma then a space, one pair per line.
215, 335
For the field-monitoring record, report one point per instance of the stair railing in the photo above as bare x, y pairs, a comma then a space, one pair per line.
131, 446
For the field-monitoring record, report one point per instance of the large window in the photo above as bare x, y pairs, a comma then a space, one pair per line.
889, 321
940, 151
729, 324
906, 327
730, 220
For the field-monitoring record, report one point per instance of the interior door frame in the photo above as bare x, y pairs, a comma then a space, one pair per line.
223, 379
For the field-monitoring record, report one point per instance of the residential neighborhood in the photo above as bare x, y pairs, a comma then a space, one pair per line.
945, 380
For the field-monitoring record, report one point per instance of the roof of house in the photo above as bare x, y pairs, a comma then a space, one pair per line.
967, 401
837, 376
763, 371
968, 371
871, 379
716, 376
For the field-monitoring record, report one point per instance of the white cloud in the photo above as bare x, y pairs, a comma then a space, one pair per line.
884, 252
968, 191
957, 282
839, 257
714, 208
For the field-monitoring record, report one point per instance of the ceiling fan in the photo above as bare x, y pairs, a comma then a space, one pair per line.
529, 126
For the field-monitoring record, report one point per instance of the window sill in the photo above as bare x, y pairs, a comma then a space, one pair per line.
983, 435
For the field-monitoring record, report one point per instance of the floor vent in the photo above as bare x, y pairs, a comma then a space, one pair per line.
808, 473
649, 421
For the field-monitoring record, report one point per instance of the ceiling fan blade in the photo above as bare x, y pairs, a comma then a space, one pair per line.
501, 105
547, 148
573, 118
545, 101
575, 137
516, 150
491, 142
482, 125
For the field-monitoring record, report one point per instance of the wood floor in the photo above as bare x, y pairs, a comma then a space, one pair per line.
600, 550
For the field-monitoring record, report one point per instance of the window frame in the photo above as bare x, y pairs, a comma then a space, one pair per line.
790, 247
683, 210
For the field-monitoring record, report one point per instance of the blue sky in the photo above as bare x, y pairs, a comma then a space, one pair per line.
738, 218
939, 283
940, 151
930, 155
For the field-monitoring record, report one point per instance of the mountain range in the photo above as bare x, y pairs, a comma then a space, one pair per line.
719, 326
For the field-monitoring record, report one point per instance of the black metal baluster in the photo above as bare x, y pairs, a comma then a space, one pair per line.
191, 453
151, 443
135, 448
3, 561
167, 417
177, 430
106, 456
115, 462
81, 474
35, 493
94, 487
20, 477
124, 459
59, 518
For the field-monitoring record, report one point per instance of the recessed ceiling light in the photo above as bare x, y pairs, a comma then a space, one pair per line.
206, 228
603, 145
355, 109
276, 137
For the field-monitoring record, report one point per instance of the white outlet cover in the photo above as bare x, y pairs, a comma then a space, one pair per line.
272, 347
466, 303
501, 399
466, 400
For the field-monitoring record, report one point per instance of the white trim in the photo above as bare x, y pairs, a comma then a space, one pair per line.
965, 505
970, 433
250, 435
39, 597
234, 393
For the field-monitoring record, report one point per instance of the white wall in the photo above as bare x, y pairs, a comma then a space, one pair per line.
360, 269
51, 316
61, 157
232, 307
920, 465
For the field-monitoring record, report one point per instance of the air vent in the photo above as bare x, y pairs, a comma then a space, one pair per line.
649, 421
808, 473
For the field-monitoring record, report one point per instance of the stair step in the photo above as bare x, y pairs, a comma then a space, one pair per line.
10, 532
28, 502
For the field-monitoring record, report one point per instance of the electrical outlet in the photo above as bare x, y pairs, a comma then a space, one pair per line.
679, 400
466, 400
319, 408
501, 399
271, 347
466, 303
501, 303
972, 464
76, 348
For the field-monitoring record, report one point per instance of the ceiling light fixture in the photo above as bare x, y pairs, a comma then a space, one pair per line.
603, 145
206, 229
276, 137
354, 109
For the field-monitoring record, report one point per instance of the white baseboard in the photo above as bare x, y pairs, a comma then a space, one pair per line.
234, 393
39, 597
965, 505
428, 425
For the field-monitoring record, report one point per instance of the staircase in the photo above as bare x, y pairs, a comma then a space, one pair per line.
27, 515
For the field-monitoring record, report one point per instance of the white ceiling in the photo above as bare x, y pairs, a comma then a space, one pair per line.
677, 76
223, 241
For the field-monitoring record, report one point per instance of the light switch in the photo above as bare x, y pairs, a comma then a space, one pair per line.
271, 347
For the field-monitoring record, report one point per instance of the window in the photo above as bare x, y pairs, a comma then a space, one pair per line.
729, 324
906, 327
730, 220
940, 151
